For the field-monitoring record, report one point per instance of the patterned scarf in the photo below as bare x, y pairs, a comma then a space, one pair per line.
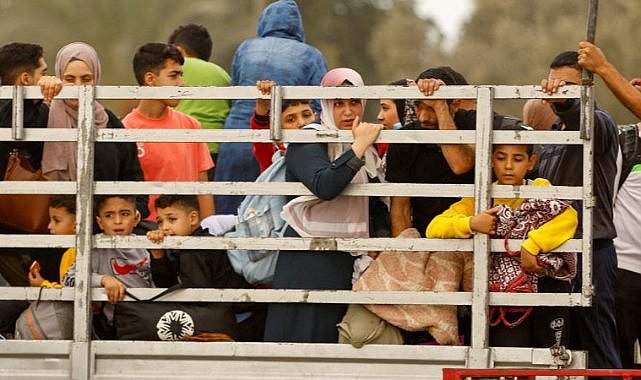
506, 274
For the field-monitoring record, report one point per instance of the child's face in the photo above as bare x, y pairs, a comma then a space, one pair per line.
176, 221
170, 75
297, 116
511, 163
61, 221
117, 216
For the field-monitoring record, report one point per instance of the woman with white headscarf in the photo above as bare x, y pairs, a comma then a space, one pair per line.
325, 169
77, 64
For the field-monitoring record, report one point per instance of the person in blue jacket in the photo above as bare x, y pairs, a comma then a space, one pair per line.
278, 53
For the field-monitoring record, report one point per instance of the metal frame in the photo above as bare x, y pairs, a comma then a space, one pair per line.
97, 359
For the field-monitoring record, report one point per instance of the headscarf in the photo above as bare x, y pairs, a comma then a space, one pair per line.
59, 158
343, 216
405, 107
336, 78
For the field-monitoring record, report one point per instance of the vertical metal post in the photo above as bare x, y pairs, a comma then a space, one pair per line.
587, 133
17, 116
587, 80
81, 348
479, 355
275, 131
587, 120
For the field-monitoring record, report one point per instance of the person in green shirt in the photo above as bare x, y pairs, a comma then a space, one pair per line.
195, 44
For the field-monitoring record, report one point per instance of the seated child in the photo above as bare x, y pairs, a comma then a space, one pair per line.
62, 221
178, 215
117, 268
543, 224
295, 115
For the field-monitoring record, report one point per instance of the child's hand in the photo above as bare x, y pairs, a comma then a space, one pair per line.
485, 222
35, 279
265, 88
156, 236
529, 263
114, 288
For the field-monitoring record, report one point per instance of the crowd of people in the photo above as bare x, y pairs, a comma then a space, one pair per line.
607, 330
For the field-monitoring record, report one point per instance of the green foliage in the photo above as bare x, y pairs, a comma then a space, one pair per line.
513, 42
504, 42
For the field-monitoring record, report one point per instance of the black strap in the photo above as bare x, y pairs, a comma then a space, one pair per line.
157, 296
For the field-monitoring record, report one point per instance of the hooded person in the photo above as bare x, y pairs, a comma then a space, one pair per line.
77, 64
326, 169
278, 53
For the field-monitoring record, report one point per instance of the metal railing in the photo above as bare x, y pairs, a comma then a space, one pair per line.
89, 358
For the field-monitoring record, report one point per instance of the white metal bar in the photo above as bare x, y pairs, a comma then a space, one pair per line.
248, 135
587, 129
17, 116
304, 244
275, 127
347, 296
299, 92
80, 358
482, 181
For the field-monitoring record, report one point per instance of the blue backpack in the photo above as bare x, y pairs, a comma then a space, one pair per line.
259, 216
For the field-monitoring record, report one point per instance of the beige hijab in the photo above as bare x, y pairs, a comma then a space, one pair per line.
59, 158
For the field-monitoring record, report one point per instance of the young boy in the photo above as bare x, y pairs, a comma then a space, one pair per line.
62, 221
177, 215
295, 115
511, 163
159, 64
117, 268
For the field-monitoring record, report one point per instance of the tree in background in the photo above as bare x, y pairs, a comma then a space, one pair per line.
513, 42
504, 41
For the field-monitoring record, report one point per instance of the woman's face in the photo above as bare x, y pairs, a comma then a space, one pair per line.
345, 111
77, 73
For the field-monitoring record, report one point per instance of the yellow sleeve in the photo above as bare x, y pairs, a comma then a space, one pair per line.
67, 260
50, 284
453, 222
553, 233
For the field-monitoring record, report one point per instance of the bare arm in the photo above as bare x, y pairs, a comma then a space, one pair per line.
460, 157
205, 201
592, 59
400, 214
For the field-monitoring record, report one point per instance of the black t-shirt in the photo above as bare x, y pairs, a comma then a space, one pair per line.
425, 163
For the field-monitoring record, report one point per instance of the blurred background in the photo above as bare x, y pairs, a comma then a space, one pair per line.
488, 41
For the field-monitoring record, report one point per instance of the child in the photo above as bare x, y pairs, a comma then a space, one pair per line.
158, 64
177, 215
117, 268
295, 115
62, 221
510, 163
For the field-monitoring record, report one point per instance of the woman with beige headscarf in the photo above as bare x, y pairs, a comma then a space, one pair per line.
77, 64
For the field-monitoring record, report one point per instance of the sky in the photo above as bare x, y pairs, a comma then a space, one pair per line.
449, 16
